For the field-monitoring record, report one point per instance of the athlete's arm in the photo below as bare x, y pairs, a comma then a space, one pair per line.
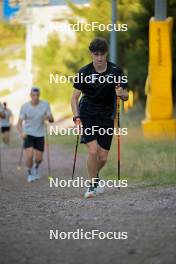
51, 119
74, 102
20, 128
48, 116
22, 117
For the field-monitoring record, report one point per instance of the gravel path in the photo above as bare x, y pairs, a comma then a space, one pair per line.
29, 211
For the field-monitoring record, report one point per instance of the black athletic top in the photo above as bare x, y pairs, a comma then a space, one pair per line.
98, 89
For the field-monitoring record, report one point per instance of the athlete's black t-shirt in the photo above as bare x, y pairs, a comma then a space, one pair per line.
98, 90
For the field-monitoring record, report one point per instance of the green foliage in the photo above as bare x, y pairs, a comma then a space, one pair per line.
98, 11
5, 71
130, 46
133, 44
148, 163
50, 59
11, 34
67, 58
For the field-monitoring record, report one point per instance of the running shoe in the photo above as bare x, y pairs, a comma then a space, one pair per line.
30, 177
100, 189
90, 193
36, 175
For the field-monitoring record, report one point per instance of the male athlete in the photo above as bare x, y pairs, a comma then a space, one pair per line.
34, 114
5, 124
97, 107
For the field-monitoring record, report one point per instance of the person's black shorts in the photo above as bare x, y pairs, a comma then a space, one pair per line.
37, 143
5, 129
104, 134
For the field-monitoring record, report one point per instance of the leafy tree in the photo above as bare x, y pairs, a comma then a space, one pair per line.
11, 34
49, 60
132, 45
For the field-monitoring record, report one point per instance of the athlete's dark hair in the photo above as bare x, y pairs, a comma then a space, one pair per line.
35, 90
98, 45
5, 104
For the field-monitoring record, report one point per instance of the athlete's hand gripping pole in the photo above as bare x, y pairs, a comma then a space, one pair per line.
48, 152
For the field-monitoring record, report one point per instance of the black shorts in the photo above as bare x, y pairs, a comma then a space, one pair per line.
5, 129
37, 143
104, 134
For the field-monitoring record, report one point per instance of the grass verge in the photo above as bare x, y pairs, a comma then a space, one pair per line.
148, 163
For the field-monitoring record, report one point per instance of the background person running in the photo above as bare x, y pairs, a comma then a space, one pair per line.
2, 114
31, 126
5, 124
97, 107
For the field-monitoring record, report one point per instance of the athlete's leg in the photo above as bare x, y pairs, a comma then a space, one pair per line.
29, 157
92, 164
29, 151
38, 149
102, 157
38, 157
92, 168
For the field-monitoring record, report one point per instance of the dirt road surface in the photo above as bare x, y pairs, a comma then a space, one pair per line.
28, 211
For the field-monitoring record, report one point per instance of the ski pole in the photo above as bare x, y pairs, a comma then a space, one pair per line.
76, 149
1, 174
75, 155
48, 154
118, 137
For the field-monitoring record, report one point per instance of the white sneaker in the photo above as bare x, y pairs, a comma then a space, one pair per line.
30, 178
90, 193
36, 174
100, 189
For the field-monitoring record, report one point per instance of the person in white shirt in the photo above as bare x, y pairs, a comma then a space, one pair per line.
5, 124
31, 126
2, 115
